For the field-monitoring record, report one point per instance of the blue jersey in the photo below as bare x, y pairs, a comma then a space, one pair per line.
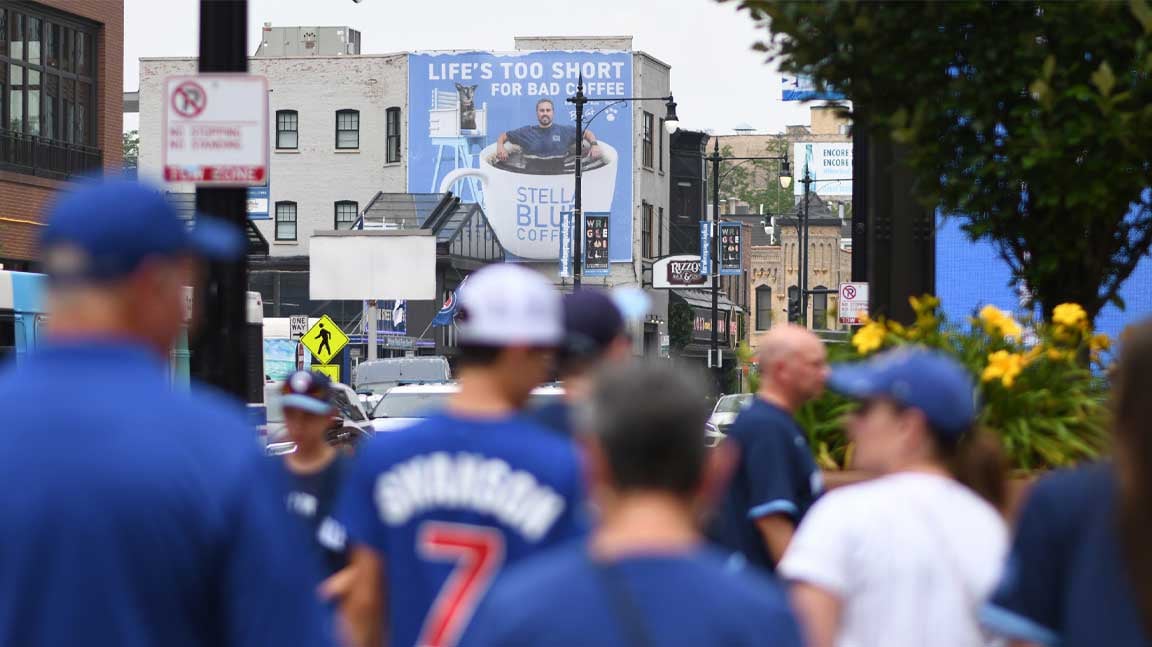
135, 516
1066, 582
563, 599
776, 475
553, 141
448, 503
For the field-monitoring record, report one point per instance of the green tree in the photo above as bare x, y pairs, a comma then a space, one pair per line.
756, 182
131, 143
1030, 120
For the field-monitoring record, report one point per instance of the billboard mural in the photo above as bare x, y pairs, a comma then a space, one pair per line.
494, 128
826, 162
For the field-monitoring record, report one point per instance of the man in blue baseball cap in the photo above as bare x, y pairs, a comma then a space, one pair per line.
595, 334
134, 515
908, 558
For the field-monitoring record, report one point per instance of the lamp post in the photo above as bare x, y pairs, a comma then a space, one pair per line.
714, 230
671, 123
807, 180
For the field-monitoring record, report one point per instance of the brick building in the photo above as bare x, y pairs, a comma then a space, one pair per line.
61, 77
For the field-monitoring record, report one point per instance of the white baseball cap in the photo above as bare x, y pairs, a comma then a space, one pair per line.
509, 305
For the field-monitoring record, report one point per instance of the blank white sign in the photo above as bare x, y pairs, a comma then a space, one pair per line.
372, 265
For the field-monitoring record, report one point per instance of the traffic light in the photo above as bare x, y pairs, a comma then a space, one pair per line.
794, 304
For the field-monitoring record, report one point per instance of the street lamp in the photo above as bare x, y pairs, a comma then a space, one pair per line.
671, 123
807, 180
716, 158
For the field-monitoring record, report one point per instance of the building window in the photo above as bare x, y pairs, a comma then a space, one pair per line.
347, 212
347, 129
646, 230
47, 92
392, 139
660, 136
647, 149
659, 231
819, 309
285, 221
287, 129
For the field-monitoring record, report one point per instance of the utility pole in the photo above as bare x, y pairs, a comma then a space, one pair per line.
219, 355
714, 266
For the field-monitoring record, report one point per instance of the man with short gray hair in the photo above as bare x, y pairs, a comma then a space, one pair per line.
776, 479
637, 581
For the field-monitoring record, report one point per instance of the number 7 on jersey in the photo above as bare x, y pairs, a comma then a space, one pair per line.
478, 552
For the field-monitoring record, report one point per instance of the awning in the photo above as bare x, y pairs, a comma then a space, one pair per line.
703, 299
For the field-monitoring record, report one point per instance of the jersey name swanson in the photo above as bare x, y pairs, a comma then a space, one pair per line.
471, 482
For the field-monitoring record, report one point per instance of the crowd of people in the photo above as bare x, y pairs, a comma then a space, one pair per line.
134, 514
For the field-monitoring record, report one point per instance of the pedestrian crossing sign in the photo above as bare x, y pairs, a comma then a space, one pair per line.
331, 370
325, 340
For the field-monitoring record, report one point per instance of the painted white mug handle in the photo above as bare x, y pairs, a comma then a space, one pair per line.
455, 175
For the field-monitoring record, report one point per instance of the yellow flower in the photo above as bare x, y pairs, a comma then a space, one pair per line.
998, 322
1033, 354
896, 328
1004, 366
924, 304
869, 338
1057, 355
1099, 342
1070, 315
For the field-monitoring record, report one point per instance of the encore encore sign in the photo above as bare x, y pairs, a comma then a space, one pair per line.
215, 129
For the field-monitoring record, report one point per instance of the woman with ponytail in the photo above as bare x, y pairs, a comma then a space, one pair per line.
1080, 570
906, 559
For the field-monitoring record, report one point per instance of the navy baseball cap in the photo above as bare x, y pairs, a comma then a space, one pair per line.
918, 378
311, 392
591, 322
104, 230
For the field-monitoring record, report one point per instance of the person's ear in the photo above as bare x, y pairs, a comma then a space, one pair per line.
595, 463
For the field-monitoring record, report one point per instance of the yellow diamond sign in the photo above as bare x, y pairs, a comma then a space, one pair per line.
325, 340
331, 370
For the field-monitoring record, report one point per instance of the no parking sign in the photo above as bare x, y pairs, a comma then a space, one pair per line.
853, 303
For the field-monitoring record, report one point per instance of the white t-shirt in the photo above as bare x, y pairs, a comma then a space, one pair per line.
912, 557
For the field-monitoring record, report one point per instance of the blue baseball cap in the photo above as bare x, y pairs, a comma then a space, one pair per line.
104, 230
307, 391
591, 322
919, 378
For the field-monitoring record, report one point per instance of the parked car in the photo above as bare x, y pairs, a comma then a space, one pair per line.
407, 404
350, 425
726, 410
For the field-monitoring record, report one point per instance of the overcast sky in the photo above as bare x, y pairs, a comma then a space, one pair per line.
719, 82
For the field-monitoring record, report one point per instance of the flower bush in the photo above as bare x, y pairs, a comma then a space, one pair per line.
1037, 387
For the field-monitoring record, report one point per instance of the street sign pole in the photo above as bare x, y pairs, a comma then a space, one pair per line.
218, 350
373, 324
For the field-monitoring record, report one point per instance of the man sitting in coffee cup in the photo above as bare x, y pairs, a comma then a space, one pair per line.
547, 139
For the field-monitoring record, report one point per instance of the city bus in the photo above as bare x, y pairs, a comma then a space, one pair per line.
23, 315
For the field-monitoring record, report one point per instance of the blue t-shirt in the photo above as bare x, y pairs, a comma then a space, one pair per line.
448, 503
133, 515
1065, 582
563, 599
553, 141
776, 475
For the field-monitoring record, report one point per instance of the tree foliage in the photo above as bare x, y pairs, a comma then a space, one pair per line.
755, 182
131, 144
1030, 120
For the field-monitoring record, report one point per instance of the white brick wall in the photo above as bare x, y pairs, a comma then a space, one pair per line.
315, 175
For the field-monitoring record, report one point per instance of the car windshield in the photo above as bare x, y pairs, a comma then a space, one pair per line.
346, 408
733, 403
410, 405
